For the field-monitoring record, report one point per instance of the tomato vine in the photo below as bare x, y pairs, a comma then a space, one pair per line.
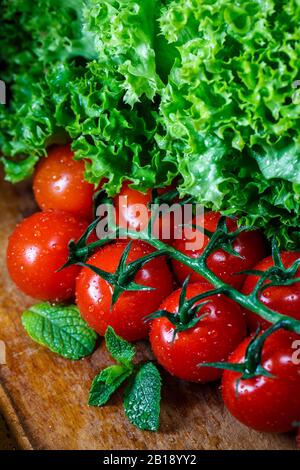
221, 239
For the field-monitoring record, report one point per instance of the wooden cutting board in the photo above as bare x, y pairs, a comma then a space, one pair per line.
44, 397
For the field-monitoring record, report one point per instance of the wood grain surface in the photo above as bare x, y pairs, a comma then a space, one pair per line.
7, 441
43, 397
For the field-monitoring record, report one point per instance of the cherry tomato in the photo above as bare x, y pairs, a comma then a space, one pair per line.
127, 204
212, 339
262, 403
38, 248
59, 183
132, 212
249, 245
94, 294
282, 299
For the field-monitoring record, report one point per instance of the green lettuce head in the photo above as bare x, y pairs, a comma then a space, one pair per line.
150, 90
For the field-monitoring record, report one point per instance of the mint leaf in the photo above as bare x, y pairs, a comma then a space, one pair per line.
111, 378
122, 351
106, 383
142, 398
61, 329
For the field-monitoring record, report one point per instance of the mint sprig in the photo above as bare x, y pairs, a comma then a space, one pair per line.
61, 329
106, 383
142, 398
143, 394
111, 378
122, 351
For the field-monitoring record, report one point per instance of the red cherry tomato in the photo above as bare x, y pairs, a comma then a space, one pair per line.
94, 294
132, 212
263, 403
127, 210
211, 340
59, 183
282, 299
249, 245
38, 248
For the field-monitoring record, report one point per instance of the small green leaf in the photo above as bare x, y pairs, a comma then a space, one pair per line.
106, 383
142, 398
111, 378
122, 351
61, 329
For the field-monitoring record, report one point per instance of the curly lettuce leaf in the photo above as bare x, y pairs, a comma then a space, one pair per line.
73, 98
228, 110
35, 37
124, 38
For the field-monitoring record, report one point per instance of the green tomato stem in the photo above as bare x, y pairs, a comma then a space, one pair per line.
247, 301
199, 265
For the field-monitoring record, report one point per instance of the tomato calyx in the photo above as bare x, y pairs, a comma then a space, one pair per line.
101, 198
161, 204
186, 317
123, 278
80, 251
222, 238
277, 275
251, 367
